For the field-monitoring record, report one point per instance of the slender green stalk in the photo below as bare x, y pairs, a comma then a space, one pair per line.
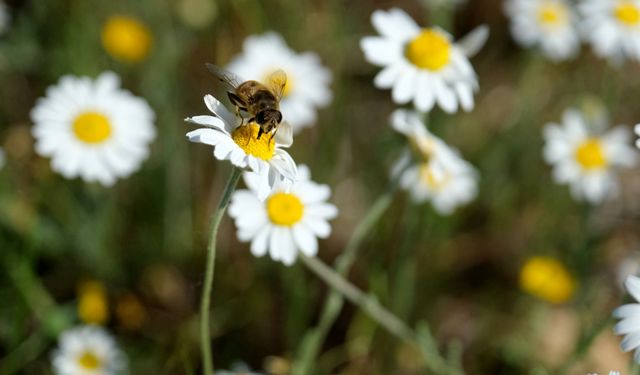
315, 337
368, 304
205, 304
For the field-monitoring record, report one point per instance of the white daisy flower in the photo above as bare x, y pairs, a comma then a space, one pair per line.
92, 128
629, 325
307, 80
5, 17
288, 221
423, 65
239, 144
550, 24
88, 350
612, 27
586, 161
435, 172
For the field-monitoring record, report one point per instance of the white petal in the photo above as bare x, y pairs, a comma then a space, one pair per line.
305, 240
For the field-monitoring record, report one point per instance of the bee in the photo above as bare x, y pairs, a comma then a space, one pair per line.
260, 100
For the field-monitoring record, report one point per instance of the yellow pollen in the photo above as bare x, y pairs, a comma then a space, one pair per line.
89, 361
92, 127
429, 50
548, 279
284, 209
552, 14
127, 39
93, 307
246, 137
627, 13
590, 154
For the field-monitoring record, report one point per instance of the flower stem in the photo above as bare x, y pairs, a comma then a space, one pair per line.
315, 337
205, 304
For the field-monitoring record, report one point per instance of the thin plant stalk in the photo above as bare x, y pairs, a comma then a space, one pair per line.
205, 304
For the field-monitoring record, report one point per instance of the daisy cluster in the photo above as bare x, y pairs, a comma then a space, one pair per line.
557, 27
427, 68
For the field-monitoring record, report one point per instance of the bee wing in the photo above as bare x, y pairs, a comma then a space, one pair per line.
276, 82
229, 78
284, 134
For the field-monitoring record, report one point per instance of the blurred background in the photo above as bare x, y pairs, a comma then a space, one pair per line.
140, 245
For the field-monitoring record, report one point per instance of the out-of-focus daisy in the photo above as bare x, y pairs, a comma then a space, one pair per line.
88, 350
423, 65
551, 24
93, 307
239, 144
432, 171
307, 80
5, 18
612, 27
126, 38
93, 128
288, 221
629, 324
547, 279
584, 160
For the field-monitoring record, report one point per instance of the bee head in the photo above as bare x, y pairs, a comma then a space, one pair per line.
270, 116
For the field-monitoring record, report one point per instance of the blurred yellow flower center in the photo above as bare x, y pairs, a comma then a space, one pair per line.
429, 50
627, 13
89, 361
552, 14
92, 127
548, 279
590, 154
125, 38
284, 209
288, 85
92, 305
246, 137
434, 180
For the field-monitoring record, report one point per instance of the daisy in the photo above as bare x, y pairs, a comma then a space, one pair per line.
432, 171
288, 221
239, 144
423, 65
126, 39
586, 161
92, 128
88, 350
307, 80
629, 325
550, 24
547, 279
5, 17
612, 27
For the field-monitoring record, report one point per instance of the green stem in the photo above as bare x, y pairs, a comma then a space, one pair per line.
314, 338
216, 217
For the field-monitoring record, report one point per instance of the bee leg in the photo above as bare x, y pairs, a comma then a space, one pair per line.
260, 132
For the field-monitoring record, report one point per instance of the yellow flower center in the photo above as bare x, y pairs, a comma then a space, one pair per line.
429, 50
590, 154
552, 14
126, 38
246, 137
284, 209
627, 13
89, 361
434, 180
548, 279
92, 305
288, 86
92, 127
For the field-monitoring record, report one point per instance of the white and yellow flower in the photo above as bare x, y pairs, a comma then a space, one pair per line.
433, 171
612, 27
289, 221
5, 17
92, 128
126, 38
629, 325
88, 350
423, 65
239, 144
584, 160
549, 24
307, 80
